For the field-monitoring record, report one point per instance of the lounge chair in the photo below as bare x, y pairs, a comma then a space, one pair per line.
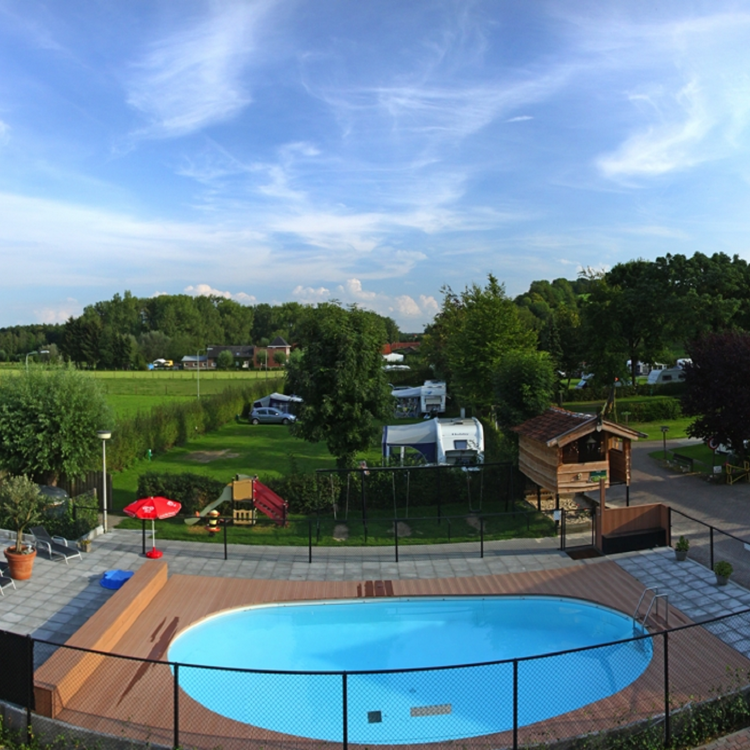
5, 579
55, 545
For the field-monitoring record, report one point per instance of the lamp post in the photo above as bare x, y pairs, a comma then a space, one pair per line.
104, 435
28, 354
664, 431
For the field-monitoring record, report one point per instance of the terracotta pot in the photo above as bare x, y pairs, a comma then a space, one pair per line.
19, 566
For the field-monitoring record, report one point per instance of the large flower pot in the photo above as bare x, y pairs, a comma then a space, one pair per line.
20, 565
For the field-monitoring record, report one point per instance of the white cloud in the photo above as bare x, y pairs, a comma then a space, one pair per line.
353, 289
669, 145
520, 118
194, 77
309, 295
4, 133
60, 313
205, 290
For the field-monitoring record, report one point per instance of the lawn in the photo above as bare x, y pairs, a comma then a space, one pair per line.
456, 525
235, 448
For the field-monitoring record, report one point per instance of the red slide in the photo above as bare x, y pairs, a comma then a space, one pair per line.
268, 502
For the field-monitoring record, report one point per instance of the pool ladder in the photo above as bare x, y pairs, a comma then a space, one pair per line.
655, 598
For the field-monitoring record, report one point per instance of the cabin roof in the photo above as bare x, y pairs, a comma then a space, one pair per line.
558, 426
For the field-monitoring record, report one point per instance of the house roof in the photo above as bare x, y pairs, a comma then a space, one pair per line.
237, 351
558, 426
278, 341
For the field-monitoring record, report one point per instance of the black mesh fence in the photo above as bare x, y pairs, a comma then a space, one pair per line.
688, 682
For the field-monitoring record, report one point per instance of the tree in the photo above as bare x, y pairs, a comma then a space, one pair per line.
627, 316
717, 390
475, 331
279, 358
341, 380
21, 505
225, 360
525, 385
48, 423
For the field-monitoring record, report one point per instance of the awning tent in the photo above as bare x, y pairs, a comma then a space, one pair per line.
421, 437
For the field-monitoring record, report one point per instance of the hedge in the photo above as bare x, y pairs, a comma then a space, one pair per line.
176, 423
194, 491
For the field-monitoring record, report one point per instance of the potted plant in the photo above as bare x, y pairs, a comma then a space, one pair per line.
723, 570
681, 549
21, 506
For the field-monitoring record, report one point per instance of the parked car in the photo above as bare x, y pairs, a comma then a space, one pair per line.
269, 415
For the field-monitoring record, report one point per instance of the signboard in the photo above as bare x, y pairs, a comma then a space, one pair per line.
598, 476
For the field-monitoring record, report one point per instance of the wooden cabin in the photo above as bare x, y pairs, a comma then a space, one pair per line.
565, 452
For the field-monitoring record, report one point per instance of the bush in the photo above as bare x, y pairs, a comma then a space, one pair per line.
193, 491
81, 516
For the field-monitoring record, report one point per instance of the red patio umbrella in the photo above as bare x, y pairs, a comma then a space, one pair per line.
153, 508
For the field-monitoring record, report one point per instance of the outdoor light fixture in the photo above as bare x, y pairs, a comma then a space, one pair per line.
41, 351
664, 431
104, 435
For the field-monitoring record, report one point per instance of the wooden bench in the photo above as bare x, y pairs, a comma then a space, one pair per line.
685, 460
64, 673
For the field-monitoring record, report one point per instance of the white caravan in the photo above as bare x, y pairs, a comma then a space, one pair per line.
440, 441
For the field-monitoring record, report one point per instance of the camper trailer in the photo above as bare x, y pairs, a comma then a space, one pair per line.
667, 375
458, 442
424, 399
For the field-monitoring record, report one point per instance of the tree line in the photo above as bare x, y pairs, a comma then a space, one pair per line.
129, 332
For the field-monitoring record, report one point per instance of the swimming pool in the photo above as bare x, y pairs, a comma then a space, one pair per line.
302, 650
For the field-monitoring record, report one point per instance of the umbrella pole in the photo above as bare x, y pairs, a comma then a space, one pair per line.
153, 534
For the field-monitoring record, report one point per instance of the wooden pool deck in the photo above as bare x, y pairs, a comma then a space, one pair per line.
135, 700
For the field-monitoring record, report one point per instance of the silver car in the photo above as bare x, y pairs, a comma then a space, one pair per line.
269, 415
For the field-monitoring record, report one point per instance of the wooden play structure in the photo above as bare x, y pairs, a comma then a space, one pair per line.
566, 453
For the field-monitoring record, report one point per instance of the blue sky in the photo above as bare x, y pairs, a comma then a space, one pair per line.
371, 152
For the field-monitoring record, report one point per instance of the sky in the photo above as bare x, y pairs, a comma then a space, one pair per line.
369, 152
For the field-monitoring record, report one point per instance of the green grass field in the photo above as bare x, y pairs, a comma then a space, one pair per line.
235, 448
455, 526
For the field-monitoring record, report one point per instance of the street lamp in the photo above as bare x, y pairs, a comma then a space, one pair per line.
198, 366
664, 431
104, 435
41, 351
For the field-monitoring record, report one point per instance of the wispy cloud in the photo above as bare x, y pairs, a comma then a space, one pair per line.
194, 77
4, 133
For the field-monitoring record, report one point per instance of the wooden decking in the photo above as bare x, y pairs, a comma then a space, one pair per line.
135, 700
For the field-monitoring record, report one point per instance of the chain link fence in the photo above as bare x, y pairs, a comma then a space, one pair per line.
665, 685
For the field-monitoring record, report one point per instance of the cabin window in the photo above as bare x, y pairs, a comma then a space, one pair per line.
583, 450
616, 444
460, 445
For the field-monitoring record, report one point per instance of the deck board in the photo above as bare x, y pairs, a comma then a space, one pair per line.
135, 699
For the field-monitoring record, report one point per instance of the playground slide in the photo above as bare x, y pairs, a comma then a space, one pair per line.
225, 495
268, 502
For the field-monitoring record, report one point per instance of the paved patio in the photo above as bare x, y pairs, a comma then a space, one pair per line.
60, 597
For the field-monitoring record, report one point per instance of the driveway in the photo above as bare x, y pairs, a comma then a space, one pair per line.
722, 506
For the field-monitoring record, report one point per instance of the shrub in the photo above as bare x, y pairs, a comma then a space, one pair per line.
81, 516
683, 545
193, 491
723, 568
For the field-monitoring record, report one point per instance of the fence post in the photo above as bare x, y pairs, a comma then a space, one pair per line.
309, 541
30, 687
225, 538
515, 704
481, 536
395, 536
562, 530
711, 529
345, 722
667, 717
176, 706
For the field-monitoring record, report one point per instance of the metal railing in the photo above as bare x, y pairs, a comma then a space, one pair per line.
531, 700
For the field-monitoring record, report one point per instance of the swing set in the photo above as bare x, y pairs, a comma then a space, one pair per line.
402, 497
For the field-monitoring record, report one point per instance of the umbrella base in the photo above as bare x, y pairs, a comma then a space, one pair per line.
154, 554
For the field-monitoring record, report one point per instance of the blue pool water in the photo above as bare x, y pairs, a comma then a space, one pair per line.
427, 705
